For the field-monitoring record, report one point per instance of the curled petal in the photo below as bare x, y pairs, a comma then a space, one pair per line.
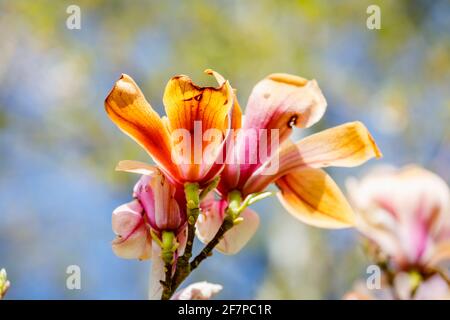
347, 145
185, 102
213, 213
281, 101
159, 199
277, 104
203, 112
313, 197
130, 111
198, 291
133, 240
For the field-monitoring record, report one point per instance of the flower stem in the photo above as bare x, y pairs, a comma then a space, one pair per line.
167, 255
192, 194
227, 224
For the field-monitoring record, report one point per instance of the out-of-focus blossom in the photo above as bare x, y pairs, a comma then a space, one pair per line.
406, 214
189, 108
198, 291
405, 286
211, 218
277, 104
4, 283
159, 206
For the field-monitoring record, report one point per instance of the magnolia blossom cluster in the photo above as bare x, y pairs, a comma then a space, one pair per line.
185, 193
405, 215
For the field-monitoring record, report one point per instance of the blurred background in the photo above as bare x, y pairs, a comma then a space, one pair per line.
58, 148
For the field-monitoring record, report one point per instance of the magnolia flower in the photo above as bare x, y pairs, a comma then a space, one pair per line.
4, 283
158, 206
211, 218
189, 109
277, 104
404, 287
406, 214
198, 291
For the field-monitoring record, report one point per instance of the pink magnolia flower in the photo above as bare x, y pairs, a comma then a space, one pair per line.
277, 104
158, 206
198, 291
404, 287
406, 213
210, 219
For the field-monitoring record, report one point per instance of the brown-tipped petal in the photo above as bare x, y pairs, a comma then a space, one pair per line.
130, 111
311, 196
282, 101
185, 102
199, 119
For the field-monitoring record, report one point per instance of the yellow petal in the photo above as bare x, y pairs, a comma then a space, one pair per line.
347, 145
136, 167
203, 114
313, 197
185, 102
128, 109
236, 118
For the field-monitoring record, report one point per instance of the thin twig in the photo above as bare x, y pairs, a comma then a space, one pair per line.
227, 224
192, 205
167, 283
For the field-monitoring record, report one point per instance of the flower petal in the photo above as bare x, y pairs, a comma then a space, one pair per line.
347, 145
197, 111
236, 238
133, 240
185, 102
441, 254
213, 213
136, 167
281, 101
198, 291
404, 211
157, 273
128, 109
159, 198
313, 197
